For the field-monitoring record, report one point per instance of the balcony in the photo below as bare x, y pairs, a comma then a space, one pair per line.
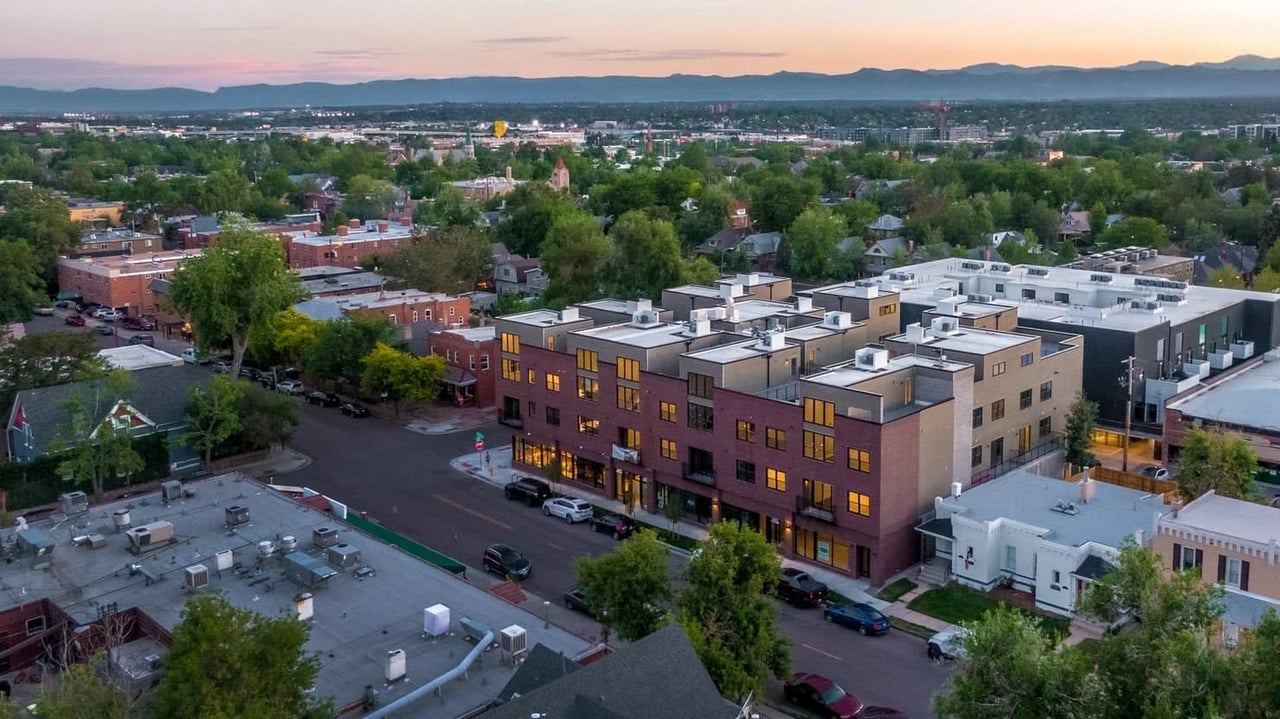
822, 511
699, 474
626, 454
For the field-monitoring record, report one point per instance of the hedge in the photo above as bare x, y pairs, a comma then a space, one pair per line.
32, 484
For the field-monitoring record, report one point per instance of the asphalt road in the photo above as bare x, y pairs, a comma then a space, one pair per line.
403, 479
120, 336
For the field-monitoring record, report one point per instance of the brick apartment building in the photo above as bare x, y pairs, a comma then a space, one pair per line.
776, 411
471, 354
117, 241
204, 230
401, 307
120, 281
351, 246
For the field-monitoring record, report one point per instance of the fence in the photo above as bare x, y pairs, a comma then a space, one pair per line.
1166, 487
1008, 465
423, 552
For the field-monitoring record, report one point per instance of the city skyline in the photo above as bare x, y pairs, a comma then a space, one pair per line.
239, 42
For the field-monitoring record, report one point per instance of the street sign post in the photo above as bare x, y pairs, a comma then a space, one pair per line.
479, 445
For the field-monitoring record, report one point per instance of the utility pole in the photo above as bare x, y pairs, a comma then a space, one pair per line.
1127, 381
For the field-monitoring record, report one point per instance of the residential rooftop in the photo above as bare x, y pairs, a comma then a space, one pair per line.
136, 357
1068, 296
1033, 500
371, 232
547, 318
737, 351
474, 334
1233, 399
645, 336
358, 617
1230, 518
320, 283
965, 340
114, 234
135, 264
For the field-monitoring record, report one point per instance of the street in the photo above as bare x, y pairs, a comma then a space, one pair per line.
58, 323
403, 480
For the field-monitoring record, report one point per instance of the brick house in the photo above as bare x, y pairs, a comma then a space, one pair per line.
401, 307
351, 246
123, 282
471, 354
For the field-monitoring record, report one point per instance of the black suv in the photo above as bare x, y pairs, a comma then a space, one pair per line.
618, 525
797, 587
506, 562
532, 491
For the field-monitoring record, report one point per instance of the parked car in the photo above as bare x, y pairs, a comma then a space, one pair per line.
798, 588
618, 525
107, 314
324, 399
138, 323
821, 696
571, 509
289, 386
67, 305
862, 617
43, 311
532, 491
191, 356
250, 373
75, 320
221, 366
143, 339
354, 410
576, 600
948, 643
506, 562
106, 329
1154, 471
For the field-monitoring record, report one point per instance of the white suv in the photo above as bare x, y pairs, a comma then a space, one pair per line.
570, 509
289, 387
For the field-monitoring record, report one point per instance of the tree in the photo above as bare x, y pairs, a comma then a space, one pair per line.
21, 286
574, 255
1080, 421
235, 286
341, 346
83, 692
368, 198
710, 216
40, 217
227, 662
1221, 461
293, 334
1225, 276
1097, 220
94, 439
778, 201
1138, 231
1259, 685
212, 415
448, 260
531, 210
814, 238
448, 208
1011, 671
398, 375
646, 257
44, 359
1068, 253
725, 610
627, 587
1268, 280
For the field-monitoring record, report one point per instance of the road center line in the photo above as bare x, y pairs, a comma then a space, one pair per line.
819, 651
472, 512
553, 545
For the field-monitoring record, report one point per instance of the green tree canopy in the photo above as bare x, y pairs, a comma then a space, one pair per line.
1221, 461
1139, 231
400, 376
368, 198
813, 239
1079, 435
338, 353
212, 415
235, 286
21, 286
779, 199
1225, 276
449, 208
229, 663
44, 359
531, 210
448, 260
628, 587
39, 216
267, 419
94, 438
646, 257
574, 256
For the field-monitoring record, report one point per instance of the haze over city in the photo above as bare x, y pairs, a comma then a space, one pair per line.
143, 44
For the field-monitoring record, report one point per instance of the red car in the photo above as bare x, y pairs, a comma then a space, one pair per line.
75, 320
821, 696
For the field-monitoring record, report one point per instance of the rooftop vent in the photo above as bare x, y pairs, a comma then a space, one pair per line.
569, 314
236, 515
1038, 271
899, 276
646, 318
1068, 508
1099, 278
195, 577
1001, 267
944, 326
916, 334
772, 341
837, 320
871, 358
967, 265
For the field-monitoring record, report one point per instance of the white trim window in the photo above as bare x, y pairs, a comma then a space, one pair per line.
1234, 572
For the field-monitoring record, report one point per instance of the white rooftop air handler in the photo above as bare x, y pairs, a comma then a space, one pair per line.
514, 642
435, 620
224, 560
195, 577
397, 666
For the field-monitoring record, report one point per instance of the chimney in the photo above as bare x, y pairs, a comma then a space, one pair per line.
355, 224
508, 173
406, 222
383, 226
342, 231
1088, 488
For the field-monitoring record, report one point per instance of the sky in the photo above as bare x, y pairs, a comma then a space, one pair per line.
206, 44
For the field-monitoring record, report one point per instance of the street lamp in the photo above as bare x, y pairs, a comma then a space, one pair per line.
1128, 380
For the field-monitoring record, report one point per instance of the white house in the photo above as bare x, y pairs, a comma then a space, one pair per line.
1038, 534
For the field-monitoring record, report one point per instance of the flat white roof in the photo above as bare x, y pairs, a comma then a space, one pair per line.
475, 334
1090, 302
136, 357
627, 333
971, 340
1230, 517
357, 234
1247, 398
727, 353
849, 375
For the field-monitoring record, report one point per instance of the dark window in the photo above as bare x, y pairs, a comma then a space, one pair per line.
1028, 294
1046, 390
701, 416
1046, 426
977, 417
700, 385
553, 416
1062, 297
975, 457
701, 462
997, 451
1024, 399
746, 471
1027, 359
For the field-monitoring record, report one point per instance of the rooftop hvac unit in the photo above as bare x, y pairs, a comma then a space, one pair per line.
171, 491
1000, 267
195, 577
435, 620
397, 666
266, 548
288, 543
1099, 278
1038, 271
324, 537
514, 643
34, 542
122, 519
236, 514
74, 502
224, 560
344, 556
155, 534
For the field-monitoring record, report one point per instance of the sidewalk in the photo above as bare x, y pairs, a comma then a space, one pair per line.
498, 471
433, 421
281, 461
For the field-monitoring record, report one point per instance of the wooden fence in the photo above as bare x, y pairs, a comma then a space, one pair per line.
1166, 487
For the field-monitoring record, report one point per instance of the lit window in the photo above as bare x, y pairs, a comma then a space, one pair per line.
775, 479
628, 369
553, 382
532, 374
817, 411
746, 430
889, 309
588, 360
775, 438
586, 425
629, 399
511, 369
667, 411
629, 438
669, 449
510, 343
859, 460
588, 388
821, 447
859, 504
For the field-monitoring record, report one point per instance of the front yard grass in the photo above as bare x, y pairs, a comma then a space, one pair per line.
956, 604
894, 590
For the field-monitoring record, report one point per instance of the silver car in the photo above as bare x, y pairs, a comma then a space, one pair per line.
948, 644
571, 509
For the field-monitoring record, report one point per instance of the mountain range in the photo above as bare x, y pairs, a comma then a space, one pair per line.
1243, 76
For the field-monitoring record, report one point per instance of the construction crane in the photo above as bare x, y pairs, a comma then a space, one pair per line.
940, 109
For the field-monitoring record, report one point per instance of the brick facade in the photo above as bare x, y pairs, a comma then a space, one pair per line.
472, 357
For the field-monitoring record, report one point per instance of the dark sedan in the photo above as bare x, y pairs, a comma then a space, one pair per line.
865, 618
324, 399
354, 410
821, 696
576, 600
618, 525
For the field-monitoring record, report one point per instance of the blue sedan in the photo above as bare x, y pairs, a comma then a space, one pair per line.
862, 617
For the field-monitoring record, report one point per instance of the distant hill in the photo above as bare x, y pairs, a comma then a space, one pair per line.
1244, 76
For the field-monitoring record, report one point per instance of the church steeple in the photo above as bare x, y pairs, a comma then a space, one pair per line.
469, 146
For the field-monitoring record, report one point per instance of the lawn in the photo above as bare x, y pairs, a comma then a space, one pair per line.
956, 604
894, 590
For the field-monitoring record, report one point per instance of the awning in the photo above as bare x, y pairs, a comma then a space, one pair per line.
458, 377
940, 528
1093, 568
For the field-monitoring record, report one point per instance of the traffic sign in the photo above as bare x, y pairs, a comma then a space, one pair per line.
479, 445
479, 436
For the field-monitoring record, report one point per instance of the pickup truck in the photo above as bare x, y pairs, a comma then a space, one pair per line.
798, 588
533, 491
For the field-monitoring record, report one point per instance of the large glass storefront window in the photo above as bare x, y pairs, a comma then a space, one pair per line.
696, 507
822, 548
533, 454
